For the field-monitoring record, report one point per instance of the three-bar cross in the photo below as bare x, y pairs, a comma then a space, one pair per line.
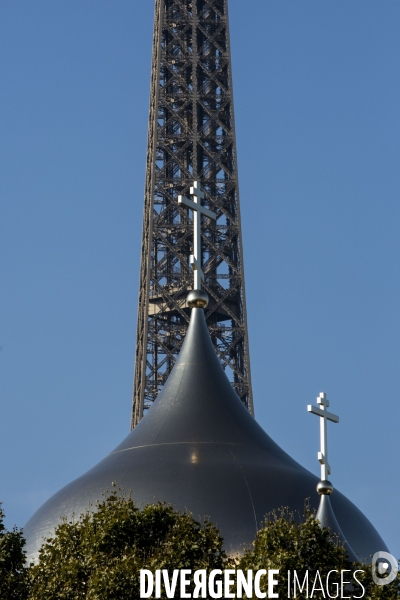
198, 210
325, 416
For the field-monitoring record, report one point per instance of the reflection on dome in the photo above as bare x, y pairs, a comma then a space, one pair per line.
198, 448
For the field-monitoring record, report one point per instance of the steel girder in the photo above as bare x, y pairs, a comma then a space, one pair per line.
191, 137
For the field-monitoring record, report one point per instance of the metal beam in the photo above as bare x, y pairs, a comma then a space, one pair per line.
191, 138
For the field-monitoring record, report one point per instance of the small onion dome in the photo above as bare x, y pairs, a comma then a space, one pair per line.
326, 517
198, 448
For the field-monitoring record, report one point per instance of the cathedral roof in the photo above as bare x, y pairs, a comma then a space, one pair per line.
198, 448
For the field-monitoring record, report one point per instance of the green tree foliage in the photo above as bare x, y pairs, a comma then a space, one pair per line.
13, 574
99, 557
390, 591
288, 545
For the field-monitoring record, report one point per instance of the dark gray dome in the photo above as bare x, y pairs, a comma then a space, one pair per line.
326, 517
198, 448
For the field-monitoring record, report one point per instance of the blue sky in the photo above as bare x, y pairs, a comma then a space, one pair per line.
317, 99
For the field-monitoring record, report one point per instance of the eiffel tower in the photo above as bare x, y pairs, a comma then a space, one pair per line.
191, 137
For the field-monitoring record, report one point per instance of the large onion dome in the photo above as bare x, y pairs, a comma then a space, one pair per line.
199, 449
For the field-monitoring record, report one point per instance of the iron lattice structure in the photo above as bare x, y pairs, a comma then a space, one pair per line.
191, 137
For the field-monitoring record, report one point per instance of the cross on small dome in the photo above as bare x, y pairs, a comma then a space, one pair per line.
325, 416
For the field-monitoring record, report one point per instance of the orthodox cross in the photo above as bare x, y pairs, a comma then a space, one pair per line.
198, 210
325, 416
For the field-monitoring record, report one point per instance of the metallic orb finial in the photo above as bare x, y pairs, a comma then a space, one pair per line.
197, 299
324, 488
